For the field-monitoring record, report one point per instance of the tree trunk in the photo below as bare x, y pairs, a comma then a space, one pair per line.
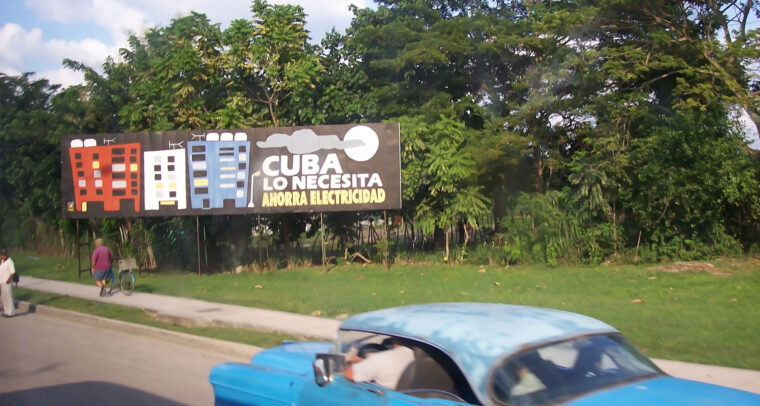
438, 238
614, 227
499, 209
539, 166
272, 113
446, 256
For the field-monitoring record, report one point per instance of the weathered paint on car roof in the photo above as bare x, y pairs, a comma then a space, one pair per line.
477, 335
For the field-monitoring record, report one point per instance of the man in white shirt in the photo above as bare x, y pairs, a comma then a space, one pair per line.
384, 368
6, 277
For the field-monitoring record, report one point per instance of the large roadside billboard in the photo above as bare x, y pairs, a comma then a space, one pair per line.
258, 170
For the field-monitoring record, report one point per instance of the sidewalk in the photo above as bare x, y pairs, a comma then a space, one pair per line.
197, 313
200, 313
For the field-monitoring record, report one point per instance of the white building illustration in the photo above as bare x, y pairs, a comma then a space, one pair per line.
165, 179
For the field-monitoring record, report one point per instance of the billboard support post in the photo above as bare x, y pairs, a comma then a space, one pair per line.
79, 253
198, 243
387, 242
79, 245
139, 245
258, 237
322, 226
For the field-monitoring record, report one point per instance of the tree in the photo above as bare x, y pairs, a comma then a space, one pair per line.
344, 94
176, 81
696, 188
694, 54
438, 170
29, 162
270, 60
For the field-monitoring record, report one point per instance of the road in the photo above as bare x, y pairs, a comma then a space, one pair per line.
51, 360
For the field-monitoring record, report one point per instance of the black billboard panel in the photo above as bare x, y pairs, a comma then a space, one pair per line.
261, 170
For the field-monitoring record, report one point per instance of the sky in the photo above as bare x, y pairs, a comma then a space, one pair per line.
36, 35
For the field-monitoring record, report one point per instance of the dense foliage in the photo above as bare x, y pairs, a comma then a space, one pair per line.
555, 131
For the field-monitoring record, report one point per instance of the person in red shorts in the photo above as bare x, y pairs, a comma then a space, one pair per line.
101, 265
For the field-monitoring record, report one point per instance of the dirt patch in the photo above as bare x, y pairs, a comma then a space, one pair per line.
692, 266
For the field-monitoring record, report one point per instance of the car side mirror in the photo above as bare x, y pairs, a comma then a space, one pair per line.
326, 366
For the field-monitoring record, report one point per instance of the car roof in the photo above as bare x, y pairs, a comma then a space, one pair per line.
477, 335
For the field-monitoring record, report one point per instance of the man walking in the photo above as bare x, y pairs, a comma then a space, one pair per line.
7, 269
101, 265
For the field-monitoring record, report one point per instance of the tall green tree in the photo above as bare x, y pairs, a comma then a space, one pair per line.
29, 162
270, 60
176, 76
693, 54
438, 174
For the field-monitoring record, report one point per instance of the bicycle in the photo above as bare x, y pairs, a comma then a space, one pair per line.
126, 282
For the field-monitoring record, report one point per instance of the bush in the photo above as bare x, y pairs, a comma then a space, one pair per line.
539, 230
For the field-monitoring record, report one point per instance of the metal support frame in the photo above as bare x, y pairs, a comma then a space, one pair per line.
87, 269
324, 250
198, 243
387, 242
258, 237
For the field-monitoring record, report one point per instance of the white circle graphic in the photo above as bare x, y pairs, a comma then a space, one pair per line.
369, 141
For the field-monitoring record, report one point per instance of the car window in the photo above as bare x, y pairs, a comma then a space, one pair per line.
351, 342
567, 369
435, 374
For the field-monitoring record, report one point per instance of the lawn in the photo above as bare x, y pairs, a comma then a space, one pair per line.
691, 315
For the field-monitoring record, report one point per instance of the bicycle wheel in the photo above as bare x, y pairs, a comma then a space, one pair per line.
127, 280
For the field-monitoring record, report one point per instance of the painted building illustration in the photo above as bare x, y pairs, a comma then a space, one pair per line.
218, 170
165, 179
107, 174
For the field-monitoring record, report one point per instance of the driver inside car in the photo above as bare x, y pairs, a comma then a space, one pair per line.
383, 368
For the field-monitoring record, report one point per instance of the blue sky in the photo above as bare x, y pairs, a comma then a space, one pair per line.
36, 35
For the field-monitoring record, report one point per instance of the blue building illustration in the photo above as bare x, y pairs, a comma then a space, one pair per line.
218, 169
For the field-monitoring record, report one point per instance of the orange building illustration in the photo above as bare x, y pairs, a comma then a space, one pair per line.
107, 175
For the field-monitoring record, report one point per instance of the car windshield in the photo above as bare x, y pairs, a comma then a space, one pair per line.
568, 369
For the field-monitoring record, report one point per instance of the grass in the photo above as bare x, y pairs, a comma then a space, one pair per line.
688, 316
137, 316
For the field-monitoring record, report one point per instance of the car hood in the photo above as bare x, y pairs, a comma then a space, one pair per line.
665, 390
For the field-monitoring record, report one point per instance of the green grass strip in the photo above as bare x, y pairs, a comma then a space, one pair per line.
137, 316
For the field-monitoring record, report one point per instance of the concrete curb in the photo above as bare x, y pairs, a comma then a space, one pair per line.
232, 349
191, 322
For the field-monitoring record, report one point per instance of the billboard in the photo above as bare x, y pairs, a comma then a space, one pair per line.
258, 170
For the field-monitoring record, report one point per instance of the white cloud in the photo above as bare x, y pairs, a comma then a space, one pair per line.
25, 51
14, 41
88, 51
122, 16
64, 77
115, 16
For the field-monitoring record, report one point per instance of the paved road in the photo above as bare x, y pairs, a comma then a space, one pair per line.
46, 359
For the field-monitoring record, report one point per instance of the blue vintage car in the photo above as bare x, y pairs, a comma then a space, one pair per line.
467, 353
